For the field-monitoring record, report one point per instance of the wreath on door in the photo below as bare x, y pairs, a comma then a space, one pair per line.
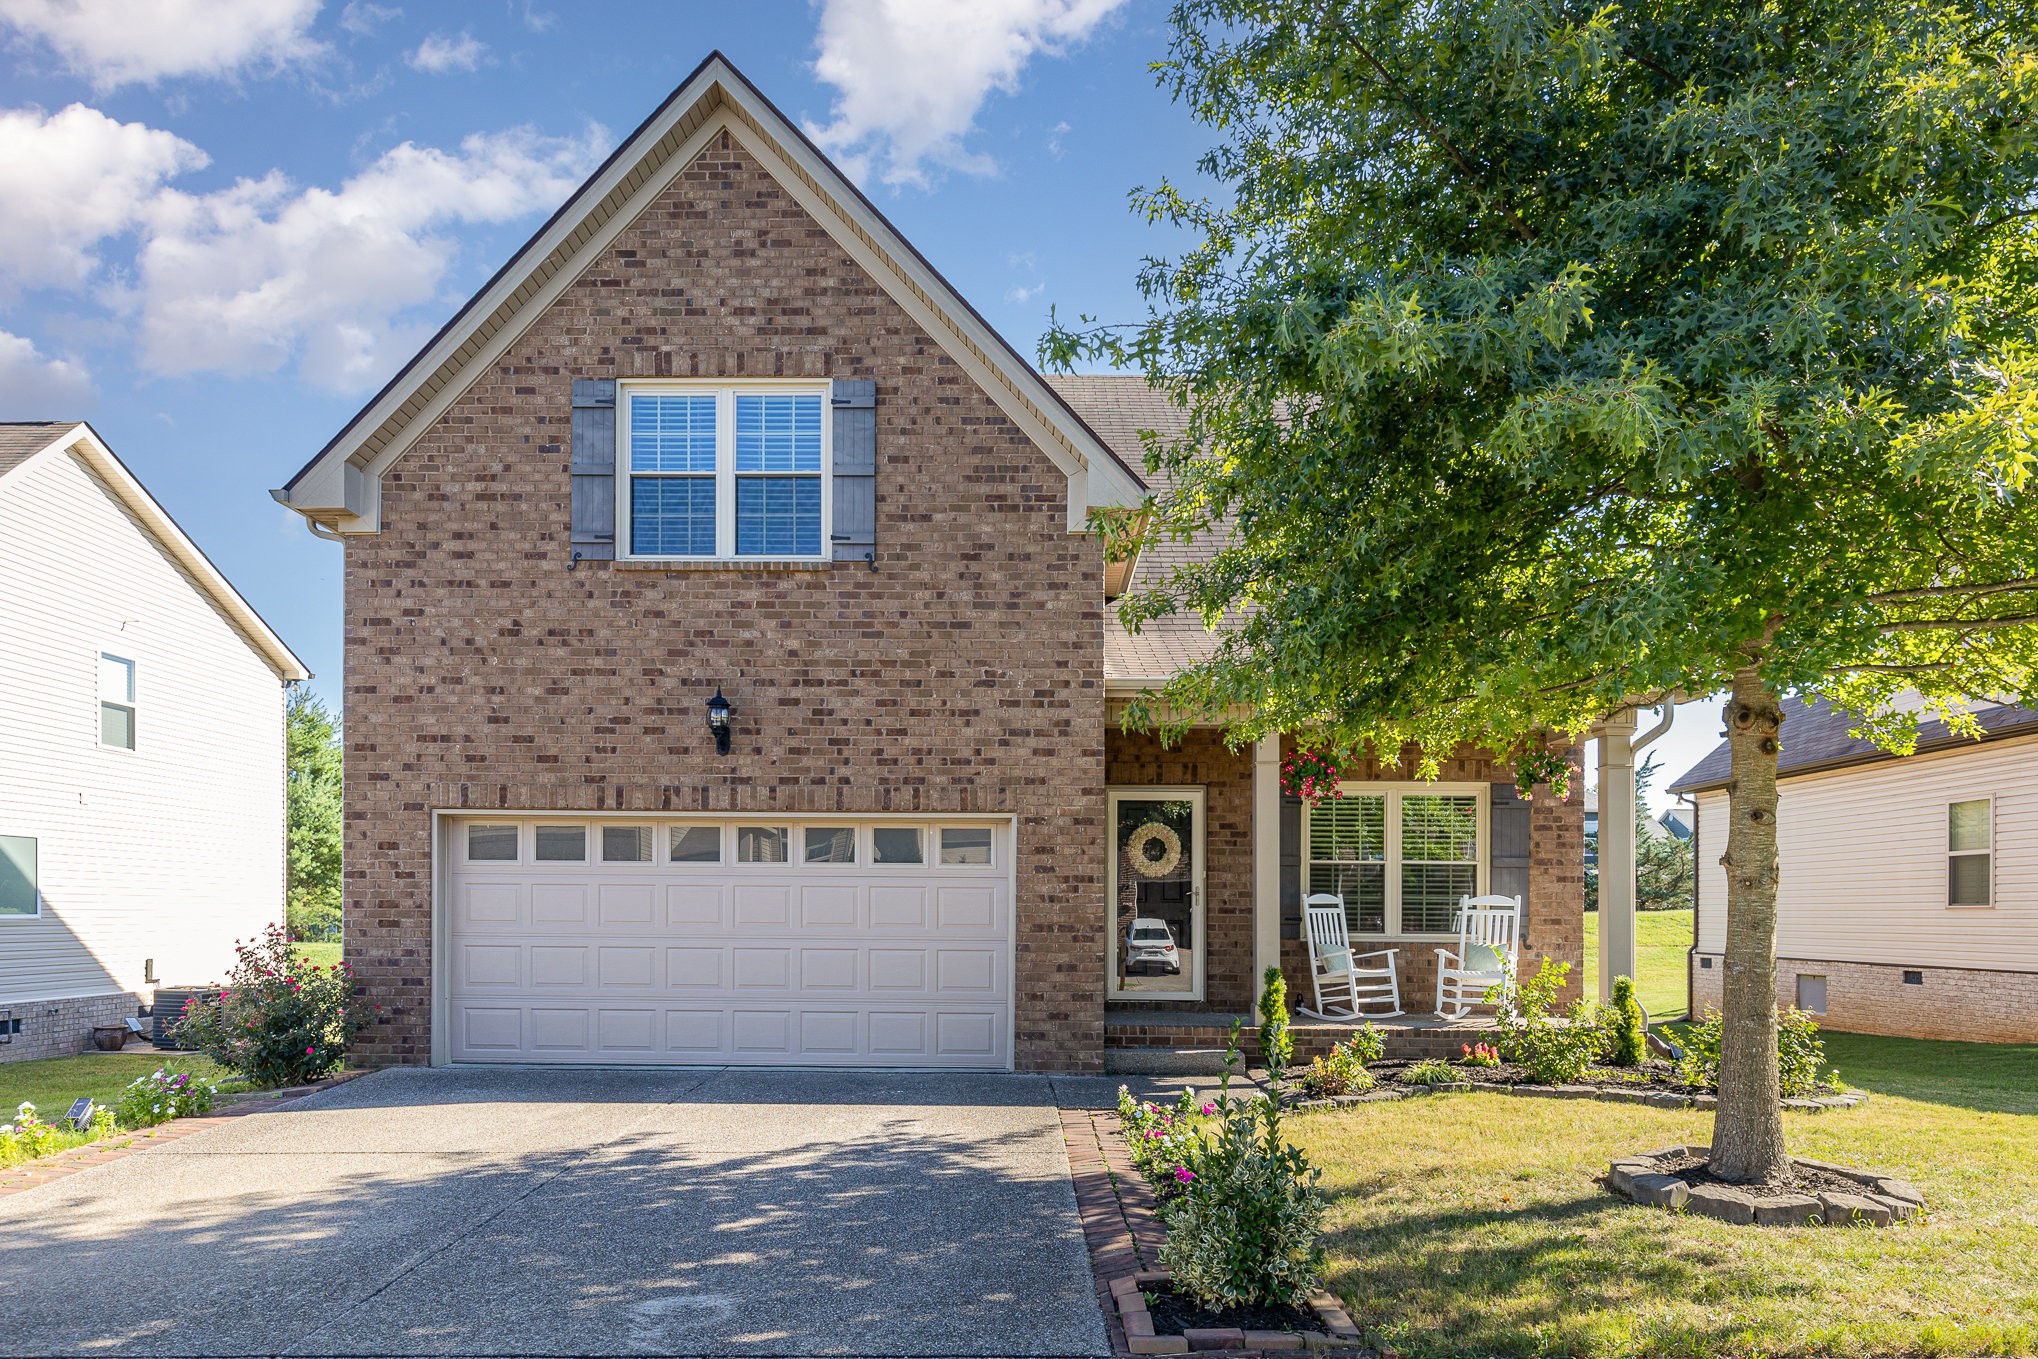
1153, 850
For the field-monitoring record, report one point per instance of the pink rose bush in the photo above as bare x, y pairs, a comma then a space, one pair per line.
279, 1020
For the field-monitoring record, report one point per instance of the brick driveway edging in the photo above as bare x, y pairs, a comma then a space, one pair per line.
45, 1170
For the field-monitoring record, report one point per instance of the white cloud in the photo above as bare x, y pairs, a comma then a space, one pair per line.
444, 52
1054, 136
913, 74
123, 42
254, 277
363, 17
33, 387
69, 181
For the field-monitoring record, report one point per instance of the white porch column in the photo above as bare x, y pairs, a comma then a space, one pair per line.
1266, 859
1616, 849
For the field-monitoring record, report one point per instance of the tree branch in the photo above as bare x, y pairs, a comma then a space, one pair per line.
1941, 591
1959, 624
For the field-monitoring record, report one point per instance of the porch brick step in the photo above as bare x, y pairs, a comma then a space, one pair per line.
1132, 1039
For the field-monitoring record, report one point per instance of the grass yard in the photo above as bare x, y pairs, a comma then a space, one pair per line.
1474, 1224
50, 1085
322, 952
1661, 941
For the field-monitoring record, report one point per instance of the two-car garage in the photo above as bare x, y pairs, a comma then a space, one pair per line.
763, 941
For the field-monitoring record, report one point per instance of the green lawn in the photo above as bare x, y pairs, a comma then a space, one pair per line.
1474, 1224
1661, 941
323, 953
52, 1084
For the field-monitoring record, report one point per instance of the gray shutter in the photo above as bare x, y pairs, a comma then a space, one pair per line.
1507, 860
594, 469
855, 469
1291, 867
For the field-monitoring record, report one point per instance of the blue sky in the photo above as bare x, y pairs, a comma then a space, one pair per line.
224, 223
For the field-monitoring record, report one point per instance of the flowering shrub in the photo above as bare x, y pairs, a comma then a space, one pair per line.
1799, 1052
1532, 767
1311, 775
1530, 1037
162, 1096
1480, 1054
1162, 1140
27, 1137
1342, 1071
280, 1020
1245, 1217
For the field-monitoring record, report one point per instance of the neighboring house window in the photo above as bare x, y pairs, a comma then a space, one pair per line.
1967, 852
18, 892
1401, 858
723, 473
116, 702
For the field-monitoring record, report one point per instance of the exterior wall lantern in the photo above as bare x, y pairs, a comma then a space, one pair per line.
718, 721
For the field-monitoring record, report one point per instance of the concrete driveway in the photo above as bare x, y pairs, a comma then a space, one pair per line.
540, 1212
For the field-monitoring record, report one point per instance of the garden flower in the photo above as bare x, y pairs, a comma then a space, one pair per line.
1184, 1174
1208, 1110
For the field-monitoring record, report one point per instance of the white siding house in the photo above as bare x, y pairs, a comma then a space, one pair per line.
1908, 896
141, 748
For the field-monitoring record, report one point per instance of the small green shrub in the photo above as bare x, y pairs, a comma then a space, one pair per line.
1799, 1052
1277, 1043
162, 1096
280, 1020
1431, 1071
1243, 1227
1530, 1037
1625, 1042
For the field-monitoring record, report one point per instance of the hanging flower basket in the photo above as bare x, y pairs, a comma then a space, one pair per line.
1535, 766
1153, 850
1311, 775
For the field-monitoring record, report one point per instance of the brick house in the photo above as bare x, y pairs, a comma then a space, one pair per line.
1908, 901
718, 433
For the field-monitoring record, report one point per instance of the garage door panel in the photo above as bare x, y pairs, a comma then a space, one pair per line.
655, 962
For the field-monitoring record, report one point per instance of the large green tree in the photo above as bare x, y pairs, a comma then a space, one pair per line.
313, 817
1541, 358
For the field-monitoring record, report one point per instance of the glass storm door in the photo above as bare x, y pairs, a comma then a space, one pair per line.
1156, 886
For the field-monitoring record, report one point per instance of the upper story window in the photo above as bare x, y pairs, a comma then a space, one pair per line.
723, 472
1968, 845
116, 701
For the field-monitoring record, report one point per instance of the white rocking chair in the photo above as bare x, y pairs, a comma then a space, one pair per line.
1343, 981
1489, 941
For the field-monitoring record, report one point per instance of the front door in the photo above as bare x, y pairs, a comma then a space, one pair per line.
1155, 881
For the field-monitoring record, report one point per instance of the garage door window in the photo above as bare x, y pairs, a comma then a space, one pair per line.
966, 845
896, 844
831, 845
696, 844
562, 844
491, 844
761, 844
626, 844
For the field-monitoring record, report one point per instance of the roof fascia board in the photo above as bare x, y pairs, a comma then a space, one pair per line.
724, 99
1946, 745
85, 442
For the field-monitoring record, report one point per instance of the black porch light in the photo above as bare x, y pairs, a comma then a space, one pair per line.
718, 721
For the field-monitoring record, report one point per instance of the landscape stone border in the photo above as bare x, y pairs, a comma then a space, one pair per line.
1128, 1292
32, 1174
1884, 1200
1611, 1094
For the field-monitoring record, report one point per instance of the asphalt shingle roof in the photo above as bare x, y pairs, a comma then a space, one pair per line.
1815, 736
21, 440
1118, 408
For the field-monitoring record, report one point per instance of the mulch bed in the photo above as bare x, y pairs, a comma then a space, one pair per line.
1801, 1178
1653, 1081
1174, 1313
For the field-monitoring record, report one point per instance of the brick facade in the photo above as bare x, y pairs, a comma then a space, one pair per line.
1947, 1002
63, 1028
484, 669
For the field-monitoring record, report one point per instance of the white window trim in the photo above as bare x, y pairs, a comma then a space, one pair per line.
35, 887
133, 705
1989, 851
1482, 795
1198, 912
724, 391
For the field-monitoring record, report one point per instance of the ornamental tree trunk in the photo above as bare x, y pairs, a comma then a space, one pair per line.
1747, 1142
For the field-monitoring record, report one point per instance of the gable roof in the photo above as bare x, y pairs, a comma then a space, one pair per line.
1815, 737
340, 486
22, 443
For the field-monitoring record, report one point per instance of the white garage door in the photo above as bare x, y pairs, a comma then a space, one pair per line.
780, 942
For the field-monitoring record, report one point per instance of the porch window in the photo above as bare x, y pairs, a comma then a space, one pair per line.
1401, 857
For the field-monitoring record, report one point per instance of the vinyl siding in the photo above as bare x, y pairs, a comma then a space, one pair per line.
1863, 854
170, 851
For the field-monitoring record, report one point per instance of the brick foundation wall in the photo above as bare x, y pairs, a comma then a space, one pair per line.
1201, 759
965, 674
1957, 1003
1399, 1043
63, 1028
